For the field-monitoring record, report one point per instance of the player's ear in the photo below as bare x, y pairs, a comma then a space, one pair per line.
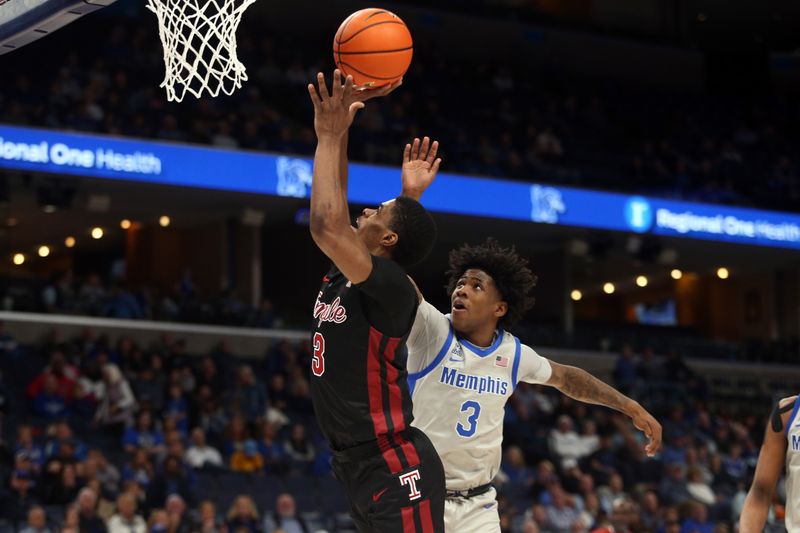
500, 309
389, 239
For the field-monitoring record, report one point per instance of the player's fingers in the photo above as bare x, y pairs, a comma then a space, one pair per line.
348, 86
407, 153
415, 149
424, 147
337, 84
354, 107
323, 87
435, 167
312, 92
433, 151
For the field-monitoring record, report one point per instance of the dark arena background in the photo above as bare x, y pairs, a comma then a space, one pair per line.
157, 274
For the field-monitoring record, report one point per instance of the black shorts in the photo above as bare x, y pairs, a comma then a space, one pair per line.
395, 484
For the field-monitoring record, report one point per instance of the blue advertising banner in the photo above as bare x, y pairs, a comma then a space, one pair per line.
277, 175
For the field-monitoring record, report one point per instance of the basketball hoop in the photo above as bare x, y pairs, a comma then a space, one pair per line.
199, 39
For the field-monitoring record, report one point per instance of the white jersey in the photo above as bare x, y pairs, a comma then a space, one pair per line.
460, 391
792, 471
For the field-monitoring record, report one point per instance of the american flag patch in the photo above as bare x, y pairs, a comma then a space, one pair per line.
501, 361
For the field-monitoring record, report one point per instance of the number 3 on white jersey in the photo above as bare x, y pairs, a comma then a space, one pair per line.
472, 418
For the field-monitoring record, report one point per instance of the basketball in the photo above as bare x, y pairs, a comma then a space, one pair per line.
374, 46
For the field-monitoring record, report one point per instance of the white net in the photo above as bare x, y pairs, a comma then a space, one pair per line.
199, 39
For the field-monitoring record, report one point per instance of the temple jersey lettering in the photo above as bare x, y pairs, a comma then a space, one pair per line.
460, 391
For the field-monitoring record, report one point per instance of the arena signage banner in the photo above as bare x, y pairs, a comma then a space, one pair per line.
240, 171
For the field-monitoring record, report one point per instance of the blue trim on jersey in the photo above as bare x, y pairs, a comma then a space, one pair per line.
515, 367
793, 415
483, 352
427, 370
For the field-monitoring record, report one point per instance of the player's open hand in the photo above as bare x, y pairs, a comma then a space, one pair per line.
362, 94
645, 423
334, 110
420, 166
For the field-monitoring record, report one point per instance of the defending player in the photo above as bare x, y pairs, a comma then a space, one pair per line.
781, 450
463, 367
363, 314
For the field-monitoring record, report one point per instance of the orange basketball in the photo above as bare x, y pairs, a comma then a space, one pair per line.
374, 46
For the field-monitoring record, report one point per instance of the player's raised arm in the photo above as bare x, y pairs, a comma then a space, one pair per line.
581, 385
334, 112
770, 465
420, 166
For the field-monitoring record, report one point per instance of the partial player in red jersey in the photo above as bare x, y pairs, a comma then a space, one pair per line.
362, 317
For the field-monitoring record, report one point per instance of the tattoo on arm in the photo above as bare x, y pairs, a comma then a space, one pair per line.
580, 385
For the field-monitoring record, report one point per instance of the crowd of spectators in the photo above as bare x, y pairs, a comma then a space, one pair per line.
530, 124
124, 437
111, 297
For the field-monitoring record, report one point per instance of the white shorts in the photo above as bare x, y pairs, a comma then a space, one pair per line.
473, 515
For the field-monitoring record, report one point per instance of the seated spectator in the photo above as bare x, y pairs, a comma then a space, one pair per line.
65, 377
562, 514
37, 521
171, 480
65, 488
143, 435
515, 469
625, 370
612, 492
25, 443
125, 520
298, 448
139, 469
150, 384
589, 441
672, 489
285, 517
177, 407
23, 481
247, 459
179, 521
650, 513
206, 520
272, 450
122, 304
72, 522
243, 515
106, 473
118, 404
699, 489
199, 454
236, 433
623, 518
49, 402
159, 521
697, 521
564, 442
89, 521
250, 395
62, 434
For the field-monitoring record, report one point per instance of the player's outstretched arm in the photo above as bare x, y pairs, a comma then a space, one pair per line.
581, 385
330, 216
768, 471
420, 166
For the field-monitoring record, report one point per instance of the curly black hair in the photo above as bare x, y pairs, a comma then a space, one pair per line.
510, 272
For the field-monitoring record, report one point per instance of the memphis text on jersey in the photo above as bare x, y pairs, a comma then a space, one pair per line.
479, 384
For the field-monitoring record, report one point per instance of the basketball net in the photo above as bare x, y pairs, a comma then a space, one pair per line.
199, 39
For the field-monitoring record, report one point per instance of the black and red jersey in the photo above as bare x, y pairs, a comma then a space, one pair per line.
358, 371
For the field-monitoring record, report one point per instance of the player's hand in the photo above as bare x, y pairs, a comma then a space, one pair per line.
362, 94
334, 111
645, 423
420, 166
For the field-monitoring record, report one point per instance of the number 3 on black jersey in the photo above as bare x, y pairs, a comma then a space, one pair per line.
318, 361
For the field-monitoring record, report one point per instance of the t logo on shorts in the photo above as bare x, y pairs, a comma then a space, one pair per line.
410, 479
